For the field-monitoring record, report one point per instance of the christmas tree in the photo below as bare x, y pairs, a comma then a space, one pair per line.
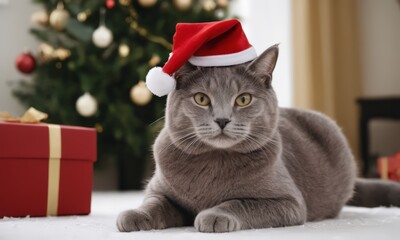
89, 68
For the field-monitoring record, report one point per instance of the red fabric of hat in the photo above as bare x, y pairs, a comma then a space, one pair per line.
209, 44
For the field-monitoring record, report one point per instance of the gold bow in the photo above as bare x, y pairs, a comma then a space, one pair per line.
32, 115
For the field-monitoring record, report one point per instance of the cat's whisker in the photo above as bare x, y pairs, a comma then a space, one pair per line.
161, 118
187, 129
197, 141
238, 132
240, 129
180, 141
187, 147
257, 143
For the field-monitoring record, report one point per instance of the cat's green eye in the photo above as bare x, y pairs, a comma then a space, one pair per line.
202, 99
243, 100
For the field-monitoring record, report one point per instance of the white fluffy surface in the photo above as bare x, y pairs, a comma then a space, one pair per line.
159, 82
353, 223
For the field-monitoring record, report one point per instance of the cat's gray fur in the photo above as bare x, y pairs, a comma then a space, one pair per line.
274, 166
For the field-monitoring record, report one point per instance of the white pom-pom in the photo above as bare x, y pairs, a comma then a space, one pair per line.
159, 82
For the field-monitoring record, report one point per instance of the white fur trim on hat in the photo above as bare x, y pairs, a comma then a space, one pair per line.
224, 60
159, 82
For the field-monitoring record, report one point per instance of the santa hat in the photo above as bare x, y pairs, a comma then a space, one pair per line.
210, 44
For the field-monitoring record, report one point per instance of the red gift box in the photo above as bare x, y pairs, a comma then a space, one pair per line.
389, 167
45, 169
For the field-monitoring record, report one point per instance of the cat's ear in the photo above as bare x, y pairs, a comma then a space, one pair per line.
264, 65
183, 71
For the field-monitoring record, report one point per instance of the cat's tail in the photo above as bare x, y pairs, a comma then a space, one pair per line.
375, 192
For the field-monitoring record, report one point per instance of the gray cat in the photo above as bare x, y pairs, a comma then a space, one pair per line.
228, 158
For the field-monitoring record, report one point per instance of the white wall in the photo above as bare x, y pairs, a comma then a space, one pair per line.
380, 34
15, 38
267, 22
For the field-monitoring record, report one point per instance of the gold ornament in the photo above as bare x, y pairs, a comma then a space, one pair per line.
82, 16
40, 18
61, 53
123, 50
140, 94
183, 4
125, 2
59, 17
209, 5
147, 3
223, 3
45, 52
154, 60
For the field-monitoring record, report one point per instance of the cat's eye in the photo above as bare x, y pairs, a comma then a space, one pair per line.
202, 99
243, 100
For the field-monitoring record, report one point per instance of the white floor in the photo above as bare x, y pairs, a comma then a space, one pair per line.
353, 223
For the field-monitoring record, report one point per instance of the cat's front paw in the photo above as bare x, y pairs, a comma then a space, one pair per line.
211, 220
135, 220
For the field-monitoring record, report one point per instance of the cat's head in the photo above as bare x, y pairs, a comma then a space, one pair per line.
231, 107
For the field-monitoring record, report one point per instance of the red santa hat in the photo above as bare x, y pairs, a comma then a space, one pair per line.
210, 44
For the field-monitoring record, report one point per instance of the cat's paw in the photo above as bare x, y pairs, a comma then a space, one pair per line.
135, 220
211, 220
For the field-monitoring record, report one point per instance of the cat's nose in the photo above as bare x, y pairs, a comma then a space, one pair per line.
222, 122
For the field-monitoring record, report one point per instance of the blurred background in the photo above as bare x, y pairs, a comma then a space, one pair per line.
83, 63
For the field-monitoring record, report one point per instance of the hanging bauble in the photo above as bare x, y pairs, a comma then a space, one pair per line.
154, 60
219, 13
86, 105
102, 37
40, 18
61, 53
25, 63
140, 94
110, 4
209, 5
222, 3
147, 3
82, 16
123, 50
183, 4
45, 52
59, 17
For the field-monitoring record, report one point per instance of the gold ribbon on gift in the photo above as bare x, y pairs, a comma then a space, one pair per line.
32, 115
54, 169
384, 168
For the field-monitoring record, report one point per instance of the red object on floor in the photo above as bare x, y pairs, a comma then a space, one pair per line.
389, 167
25, 182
